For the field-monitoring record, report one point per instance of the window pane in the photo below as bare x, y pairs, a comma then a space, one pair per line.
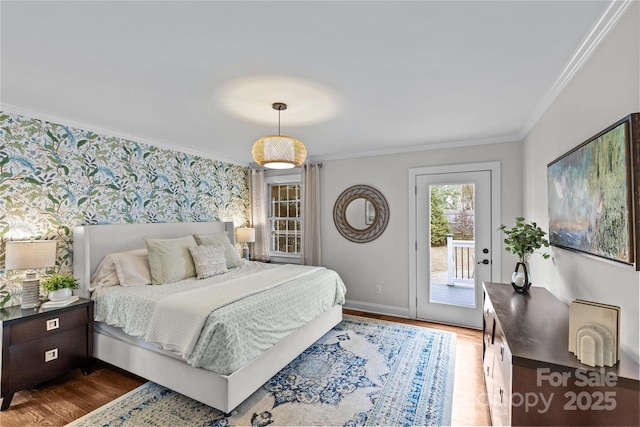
285, 218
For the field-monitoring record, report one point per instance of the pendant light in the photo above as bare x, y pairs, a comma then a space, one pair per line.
279, 151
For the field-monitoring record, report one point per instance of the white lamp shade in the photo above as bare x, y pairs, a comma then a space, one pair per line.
245, 235
27, 254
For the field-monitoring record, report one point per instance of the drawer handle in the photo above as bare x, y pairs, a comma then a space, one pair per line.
493, 332
53, 324
502, 352
51, 355
501, 394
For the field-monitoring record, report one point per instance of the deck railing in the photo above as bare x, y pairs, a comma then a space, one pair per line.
460, 260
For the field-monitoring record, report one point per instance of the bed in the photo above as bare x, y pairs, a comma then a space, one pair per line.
224, 387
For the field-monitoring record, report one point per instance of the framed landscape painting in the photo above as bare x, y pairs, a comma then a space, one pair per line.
592, 206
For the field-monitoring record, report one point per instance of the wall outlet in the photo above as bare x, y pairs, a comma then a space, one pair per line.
377, 289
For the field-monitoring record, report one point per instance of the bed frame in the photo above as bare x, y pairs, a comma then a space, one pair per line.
223, 392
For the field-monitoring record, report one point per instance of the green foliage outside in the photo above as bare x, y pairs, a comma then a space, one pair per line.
439, 224
464, 222
458, 198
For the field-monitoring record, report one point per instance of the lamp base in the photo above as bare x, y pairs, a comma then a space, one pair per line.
245, 253
30, 293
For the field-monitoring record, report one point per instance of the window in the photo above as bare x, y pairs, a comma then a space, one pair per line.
285, 219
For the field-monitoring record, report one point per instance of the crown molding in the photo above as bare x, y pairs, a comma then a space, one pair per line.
424, 147
598, 32
48, 117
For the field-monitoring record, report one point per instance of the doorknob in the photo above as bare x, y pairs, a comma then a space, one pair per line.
484, 261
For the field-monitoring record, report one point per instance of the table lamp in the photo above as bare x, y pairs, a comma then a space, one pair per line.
30, 255
245, 235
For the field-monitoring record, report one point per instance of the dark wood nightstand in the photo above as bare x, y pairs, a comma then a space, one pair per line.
41, 344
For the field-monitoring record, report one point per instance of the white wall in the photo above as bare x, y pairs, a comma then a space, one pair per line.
605, 90
385, 261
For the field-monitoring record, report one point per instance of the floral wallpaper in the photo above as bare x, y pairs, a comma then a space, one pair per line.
53, 177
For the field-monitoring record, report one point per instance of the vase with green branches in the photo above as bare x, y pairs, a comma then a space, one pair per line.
523, 240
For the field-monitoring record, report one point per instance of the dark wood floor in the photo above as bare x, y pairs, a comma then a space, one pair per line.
58, 402
71, 396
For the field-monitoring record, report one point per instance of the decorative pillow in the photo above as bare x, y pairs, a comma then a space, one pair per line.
133, 268
170, 259
209, 260
106, 274
221, 238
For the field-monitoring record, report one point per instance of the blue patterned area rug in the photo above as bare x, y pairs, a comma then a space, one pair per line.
362, 373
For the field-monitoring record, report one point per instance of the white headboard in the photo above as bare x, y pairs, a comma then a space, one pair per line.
91, 243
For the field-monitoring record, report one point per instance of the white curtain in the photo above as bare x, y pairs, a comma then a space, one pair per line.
311, 248
259, 215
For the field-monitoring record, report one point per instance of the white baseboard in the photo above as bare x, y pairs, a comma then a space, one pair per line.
390, 310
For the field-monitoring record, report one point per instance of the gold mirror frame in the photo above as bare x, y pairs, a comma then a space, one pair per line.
380, 221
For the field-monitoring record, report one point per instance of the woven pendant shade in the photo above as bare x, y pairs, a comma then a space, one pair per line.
279, 151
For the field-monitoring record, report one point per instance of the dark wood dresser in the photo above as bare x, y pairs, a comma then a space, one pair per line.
533, 379
41, 344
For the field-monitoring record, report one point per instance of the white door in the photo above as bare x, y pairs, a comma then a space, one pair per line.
453, 252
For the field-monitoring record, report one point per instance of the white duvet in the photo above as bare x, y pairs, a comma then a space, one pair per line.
178, 319
237, 331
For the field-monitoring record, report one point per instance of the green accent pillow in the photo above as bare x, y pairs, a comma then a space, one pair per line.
230, 253
170, 259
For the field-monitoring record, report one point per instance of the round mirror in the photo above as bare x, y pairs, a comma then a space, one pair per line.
361, 213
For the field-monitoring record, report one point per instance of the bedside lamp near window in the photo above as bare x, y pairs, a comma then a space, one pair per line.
30, 255
245, 235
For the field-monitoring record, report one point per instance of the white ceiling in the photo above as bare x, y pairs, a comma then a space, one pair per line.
359, 77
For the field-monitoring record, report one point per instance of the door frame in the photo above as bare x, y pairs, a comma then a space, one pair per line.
496, 246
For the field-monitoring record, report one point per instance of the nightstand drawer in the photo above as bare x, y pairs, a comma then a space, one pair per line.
46, 358
47, 325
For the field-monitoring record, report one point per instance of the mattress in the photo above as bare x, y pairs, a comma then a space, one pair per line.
233, 334
118, 333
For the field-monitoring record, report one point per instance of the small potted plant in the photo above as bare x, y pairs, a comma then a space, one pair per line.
523, 240
59, 286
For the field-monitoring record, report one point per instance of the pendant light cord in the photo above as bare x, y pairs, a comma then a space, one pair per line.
279, 106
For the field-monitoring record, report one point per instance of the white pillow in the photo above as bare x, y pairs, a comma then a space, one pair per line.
133, 268
209, 260
106, 274
221, 238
